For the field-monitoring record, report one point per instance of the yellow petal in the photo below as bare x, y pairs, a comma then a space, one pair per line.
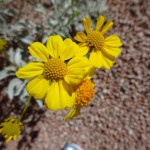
100, 22
74, 112
77, 68
8, 139
96, 59
55, 45
75, 76
37, 87
108, 55
113, 41
82, 51
78, 62
91, 72
113, 51
100, 61
70, 49
15, 137
87, 24
107, 63
30, 70
58, 97
80, 37
107, 26
38, 50
82, 44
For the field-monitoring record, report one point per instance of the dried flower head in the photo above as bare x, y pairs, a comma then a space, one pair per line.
11, 128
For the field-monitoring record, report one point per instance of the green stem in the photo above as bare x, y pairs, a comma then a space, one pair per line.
25, 108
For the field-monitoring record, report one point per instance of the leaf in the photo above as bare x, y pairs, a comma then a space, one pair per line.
40, 103
13, 86
24, 95
7, 71
11, 55
19, 90
26, 40
18, 58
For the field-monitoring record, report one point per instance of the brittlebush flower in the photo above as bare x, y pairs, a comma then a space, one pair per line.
84, 93
103, 51
53, 78
11, 128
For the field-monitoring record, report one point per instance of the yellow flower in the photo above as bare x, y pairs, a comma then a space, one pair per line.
84, 94
103, 51
3, 43
11, 127
59, 70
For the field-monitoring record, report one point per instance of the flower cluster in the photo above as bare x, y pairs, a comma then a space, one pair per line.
61, 76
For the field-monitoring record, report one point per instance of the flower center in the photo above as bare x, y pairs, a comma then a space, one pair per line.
84, 92
11, 127
55, 69
95, 39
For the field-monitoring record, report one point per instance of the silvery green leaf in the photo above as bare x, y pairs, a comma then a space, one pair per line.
4, 74
7, 71
39, 8
10, 68
31, 58
33, 31
40, 103
13, 86
26, 40
67, 4
18, 58
65, 21
11, 54
19, 26
44, 39
53, 22
24, 95
8, 12
20, 89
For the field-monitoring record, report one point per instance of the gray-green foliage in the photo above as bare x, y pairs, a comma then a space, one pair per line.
67, 15
63, 17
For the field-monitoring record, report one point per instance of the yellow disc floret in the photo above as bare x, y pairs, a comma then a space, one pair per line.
55, 69
11, 127
95, 39
84, 92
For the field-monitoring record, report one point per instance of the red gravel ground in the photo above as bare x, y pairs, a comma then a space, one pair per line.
119, 116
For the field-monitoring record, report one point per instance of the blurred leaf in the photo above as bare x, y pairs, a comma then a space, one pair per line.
26, 40
19, 90
13, 87
40, 8
7, 71
40, 103
53, 22
24, 95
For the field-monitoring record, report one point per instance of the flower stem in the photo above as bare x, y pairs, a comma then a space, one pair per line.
25, 108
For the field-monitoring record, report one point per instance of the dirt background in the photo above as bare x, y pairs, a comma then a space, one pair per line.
119, 116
